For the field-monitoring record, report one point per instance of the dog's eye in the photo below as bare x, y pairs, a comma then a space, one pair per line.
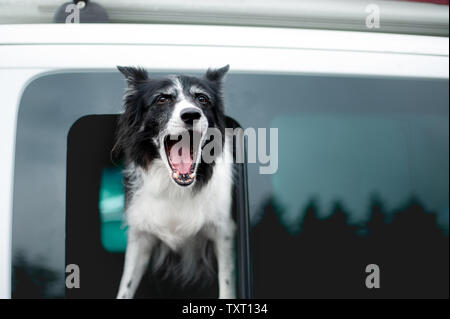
202, 99
162, 99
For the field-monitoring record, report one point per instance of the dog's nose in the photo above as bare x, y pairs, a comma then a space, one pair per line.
189, 115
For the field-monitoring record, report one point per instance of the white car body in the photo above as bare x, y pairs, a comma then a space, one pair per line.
29, 51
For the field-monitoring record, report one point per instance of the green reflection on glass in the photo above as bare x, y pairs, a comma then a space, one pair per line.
111, 206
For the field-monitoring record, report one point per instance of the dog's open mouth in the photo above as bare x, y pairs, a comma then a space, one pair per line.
181, 152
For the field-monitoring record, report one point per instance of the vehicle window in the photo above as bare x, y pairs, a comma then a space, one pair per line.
95, 236
362, 179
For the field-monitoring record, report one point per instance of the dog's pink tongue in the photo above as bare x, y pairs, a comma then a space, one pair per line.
181, 159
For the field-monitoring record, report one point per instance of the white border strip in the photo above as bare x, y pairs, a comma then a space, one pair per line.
224, 36
161, 58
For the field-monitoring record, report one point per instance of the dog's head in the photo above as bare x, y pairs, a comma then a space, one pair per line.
168, 119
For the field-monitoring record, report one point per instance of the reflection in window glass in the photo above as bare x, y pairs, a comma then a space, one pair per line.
111, 206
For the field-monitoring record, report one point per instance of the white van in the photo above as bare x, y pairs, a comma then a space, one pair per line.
361, 111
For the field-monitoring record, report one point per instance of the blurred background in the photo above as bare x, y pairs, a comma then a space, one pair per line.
399, 16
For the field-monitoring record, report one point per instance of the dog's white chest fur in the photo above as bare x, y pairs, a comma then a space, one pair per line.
173, 213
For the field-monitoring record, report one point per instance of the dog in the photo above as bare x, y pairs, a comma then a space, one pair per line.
175, 207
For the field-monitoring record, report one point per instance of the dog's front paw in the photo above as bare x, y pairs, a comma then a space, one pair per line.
227, 295
124, 295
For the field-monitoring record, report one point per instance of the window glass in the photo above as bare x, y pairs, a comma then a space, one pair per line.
362, 178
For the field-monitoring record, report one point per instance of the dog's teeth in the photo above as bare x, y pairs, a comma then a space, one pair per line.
175, 174
192, 175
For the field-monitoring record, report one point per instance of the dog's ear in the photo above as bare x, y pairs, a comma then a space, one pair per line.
133, 75
217, 74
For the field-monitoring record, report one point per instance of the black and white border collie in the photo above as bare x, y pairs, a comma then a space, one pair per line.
176, 207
